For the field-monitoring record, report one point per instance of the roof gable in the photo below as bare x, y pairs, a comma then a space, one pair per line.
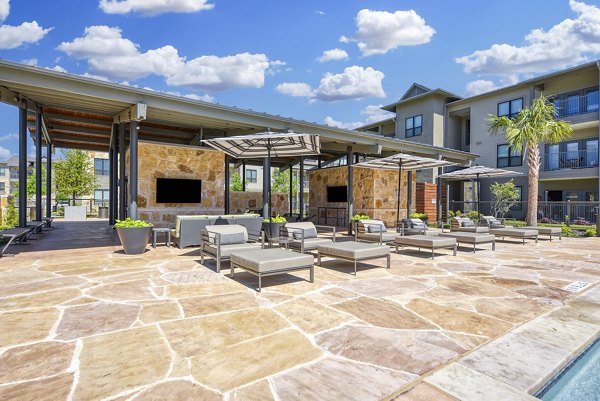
415, 90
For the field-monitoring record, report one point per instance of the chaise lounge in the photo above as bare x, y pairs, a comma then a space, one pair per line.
515, 233
413, 227
221, 241
374, 231
304, 236
471, 238
549, 231
465, 224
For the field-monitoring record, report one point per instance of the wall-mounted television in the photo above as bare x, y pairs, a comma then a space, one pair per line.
337, 194
178, 190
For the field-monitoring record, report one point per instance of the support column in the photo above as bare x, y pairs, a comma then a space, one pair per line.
227, 183
319, 161
409, 197
350, 158
301, 190
448, 199
38, 166
440, 221
244, 176
48, 180
265, 190
122, 187
291, 189
133, 169
22, 167
111, 178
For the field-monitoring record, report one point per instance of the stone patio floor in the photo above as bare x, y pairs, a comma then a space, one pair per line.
80, 320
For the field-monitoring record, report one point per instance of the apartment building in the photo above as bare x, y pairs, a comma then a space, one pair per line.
9, 174
569, 170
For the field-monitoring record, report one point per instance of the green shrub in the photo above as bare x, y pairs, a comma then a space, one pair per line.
417, 215
473, 215
590, 232
276, 219
128, 222
567, 232
360, 217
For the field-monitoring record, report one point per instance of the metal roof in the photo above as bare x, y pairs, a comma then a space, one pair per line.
78, 112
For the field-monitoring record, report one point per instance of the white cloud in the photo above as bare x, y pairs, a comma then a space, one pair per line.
110, 55
373, 112
296, 89
30, 61
57, 68
333, 54
338, 124
480, 86
569, 42
378, 32
154, 7
4, 9
4, 153
9, 137
193, 96
12, 37
354, 83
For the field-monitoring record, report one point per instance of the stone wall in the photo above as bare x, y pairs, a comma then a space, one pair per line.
239, 202
375, 193
170, 161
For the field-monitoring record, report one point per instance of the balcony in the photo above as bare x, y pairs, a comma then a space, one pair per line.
578, 108
571, 160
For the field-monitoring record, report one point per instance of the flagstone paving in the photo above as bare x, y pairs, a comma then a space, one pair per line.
80, 320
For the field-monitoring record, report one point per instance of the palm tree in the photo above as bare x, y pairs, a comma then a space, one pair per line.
530, 128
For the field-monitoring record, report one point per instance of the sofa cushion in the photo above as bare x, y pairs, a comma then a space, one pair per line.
229, 233
375, 228
467, 223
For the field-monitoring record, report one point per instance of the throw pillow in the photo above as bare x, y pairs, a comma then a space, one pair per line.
232, 238
468, 223
375, 228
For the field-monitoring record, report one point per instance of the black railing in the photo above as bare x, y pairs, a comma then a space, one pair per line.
576, 105
571, 160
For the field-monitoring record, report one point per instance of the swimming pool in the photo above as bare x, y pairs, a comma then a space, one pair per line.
580, 381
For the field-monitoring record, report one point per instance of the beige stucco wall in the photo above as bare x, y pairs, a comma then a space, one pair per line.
374, 191
168, 161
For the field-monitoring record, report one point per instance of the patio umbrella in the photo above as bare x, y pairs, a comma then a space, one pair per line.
403, 161
476, 172
267, 145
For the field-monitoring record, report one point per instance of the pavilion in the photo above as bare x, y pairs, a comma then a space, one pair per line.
62, 110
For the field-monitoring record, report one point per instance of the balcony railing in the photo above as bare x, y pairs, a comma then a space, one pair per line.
576, 105
571, 160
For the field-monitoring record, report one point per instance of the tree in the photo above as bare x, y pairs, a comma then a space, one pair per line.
74, 175
530, 128
12, 217
236, 184
31, 184
504, 196
281, 182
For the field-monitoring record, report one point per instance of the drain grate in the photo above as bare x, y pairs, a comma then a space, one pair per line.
576, 286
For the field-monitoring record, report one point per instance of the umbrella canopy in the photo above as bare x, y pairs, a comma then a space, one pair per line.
475, 173
267, 145
403, 161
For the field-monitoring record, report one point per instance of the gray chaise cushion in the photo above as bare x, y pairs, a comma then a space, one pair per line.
269, 260
227, 250
545, 230
513, 232
470, 238
376, 228
426, 241
385, 237
354, 250
310, 243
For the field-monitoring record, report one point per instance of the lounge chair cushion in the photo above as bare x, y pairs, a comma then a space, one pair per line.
295, 230
354, 250
310, 243
308, 233
227, 250
469, 238
386, 236
426, 241
496, 224
269, 260
467, 223
375, 228
230, 234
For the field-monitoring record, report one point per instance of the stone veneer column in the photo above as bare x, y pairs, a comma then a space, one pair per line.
350, 187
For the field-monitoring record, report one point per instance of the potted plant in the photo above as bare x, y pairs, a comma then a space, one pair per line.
272, 227
417, 215
134, 235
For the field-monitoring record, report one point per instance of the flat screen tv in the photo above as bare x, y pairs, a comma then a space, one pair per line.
178, 190
337, 194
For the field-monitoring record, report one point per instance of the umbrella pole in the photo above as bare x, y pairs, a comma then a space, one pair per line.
478, 197
398, 195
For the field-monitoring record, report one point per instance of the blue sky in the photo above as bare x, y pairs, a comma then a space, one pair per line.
334, 62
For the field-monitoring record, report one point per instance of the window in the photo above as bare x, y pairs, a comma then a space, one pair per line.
251, 176
101, 197
510, 108
591, 100
468, 132
413, 126
591, 196
591, 153
2, 186
507, 156
2, 171
553, 157
519, 197
101, 167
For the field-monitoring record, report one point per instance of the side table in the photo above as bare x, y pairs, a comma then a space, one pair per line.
285, 241
166, 231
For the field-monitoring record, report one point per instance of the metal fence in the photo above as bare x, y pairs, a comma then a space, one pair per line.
570, 212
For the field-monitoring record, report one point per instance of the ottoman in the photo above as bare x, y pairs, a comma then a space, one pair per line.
432, 242
269, 262
354, 252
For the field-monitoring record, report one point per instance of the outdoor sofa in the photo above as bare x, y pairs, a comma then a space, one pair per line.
466, 225
432, 242
188, 229
373, 231
304, 236
221, 241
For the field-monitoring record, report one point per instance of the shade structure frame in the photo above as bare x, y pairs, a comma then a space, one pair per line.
404, 162
267, 145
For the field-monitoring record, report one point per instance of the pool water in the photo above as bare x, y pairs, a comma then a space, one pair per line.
579, 382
